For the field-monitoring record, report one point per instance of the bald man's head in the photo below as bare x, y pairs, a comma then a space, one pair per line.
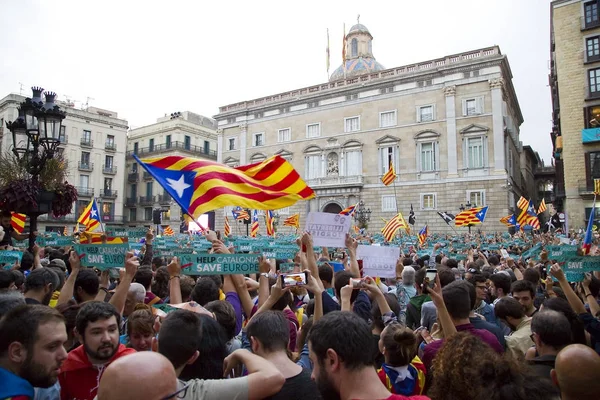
141, 376
577, 372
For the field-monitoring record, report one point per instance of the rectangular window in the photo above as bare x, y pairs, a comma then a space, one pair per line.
591, 116
313, 167
591, 13
108, 162
352, 124
387, 155
148, 214
87, 136
231, 144
476, 198
594, 82
149, 189
108, 184
107, 211
428, 161
187, 142
110, 140
475, 155
388, 204
425, 114
354, 163
592, 46
85, 158
206, 147
133, 191
134, 167
313, 130
132, 214
473, 106
258, 139
151, 145
387, 119
168, 142
136, 146
284, 135
84, 181
428, 201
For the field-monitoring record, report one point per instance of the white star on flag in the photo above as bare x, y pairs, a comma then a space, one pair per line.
178, 185
93, 213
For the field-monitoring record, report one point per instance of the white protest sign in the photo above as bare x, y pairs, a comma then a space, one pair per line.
328, 230
378, 260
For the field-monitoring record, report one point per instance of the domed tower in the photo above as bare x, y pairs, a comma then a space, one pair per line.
359, 54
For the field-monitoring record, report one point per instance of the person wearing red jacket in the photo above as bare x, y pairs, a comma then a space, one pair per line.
97, 327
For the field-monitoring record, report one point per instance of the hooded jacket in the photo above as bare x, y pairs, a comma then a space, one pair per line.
79, 379
14, 387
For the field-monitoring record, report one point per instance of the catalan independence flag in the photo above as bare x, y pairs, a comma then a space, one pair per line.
270, 223
509, 220
292, 220
542, 208
390, 175
392, 226
90, 217
528, 216
96, 237
473, 216
227, 230
199, 186
254, 226
423, 235
168, 231
17, 221
240, 214
349, 211
523, 203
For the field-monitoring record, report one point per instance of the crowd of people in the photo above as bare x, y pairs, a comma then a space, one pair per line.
486, 327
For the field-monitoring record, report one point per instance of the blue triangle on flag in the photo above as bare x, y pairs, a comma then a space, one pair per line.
481, 214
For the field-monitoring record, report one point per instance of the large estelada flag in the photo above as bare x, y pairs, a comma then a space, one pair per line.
199, 186
17, 221
528, 216
90, 217
473, 216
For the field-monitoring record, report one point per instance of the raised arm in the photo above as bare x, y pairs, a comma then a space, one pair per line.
316, 287
174, 269
264, 379
443, 316
131, 266
149, 253
66, 292
574, 301
352, 245
594, 307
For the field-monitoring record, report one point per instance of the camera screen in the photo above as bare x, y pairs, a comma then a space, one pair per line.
294, 279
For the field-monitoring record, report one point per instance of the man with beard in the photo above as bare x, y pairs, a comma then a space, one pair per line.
40, 285
97, 327
342, 367
31, 350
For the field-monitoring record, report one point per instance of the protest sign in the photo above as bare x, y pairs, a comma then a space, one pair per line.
136, 232
378, 261
286, 267
117, 231
102, 256
218, 264
328, 230
9, 257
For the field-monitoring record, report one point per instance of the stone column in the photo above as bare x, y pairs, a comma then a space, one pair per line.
497, 86
243, 135
219, 145
450, 92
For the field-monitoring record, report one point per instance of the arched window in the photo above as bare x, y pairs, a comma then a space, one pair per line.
354, 47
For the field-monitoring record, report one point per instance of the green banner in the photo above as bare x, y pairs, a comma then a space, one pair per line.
286, 267
136, 232
219, 264
115, 231
9, 257
102, 256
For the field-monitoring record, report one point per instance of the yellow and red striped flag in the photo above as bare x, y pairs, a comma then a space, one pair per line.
17, 221
390, 175
392, 226
523, 203
241, 214
292, 220
597, 187
168, 231
254, 226
90, 217
422, 236
270, 223
96, 237
227, 229
199, 186
542, 206
473, 216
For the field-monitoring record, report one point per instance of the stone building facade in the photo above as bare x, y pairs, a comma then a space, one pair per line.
450, 126
575, 88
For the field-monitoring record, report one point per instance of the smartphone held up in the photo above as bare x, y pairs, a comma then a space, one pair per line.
429, 282
291, 280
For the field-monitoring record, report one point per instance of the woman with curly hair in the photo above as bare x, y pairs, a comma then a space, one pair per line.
467, 368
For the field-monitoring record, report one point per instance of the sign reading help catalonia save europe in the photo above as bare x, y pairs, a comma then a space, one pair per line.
9, 257
102, 256
218, 264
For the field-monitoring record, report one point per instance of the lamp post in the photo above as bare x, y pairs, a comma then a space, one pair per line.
35, 135
467, 206
362, 215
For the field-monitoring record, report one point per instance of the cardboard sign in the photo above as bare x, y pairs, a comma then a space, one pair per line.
328, 230
9, 257
102, 256
378, 261
218, 264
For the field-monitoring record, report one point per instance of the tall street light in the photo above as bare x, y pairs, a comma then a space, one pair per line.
362, 215
35, 135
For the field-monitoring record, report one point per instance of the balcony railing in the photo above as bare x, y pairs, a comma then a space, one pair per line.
589, 24
146, 200
164, 198
87, 142
147, 176
110, 146
133, 177
180, 146
85, 191
332, 181
109, 169
85, 166
108, 193
130, 202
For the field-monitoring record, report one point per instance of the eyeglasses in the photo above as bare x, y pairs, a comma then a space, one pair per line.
180, 394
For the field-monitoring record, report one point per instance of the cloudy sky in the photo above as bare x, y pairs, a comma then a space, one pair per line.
147, 58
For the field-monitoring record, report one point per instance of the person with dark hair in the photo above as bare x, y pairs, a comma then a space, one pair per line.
140, 330
157, 262
225, 315
269, 336
213, 350
97, 327
403, 372
428, 309
359, 300
494, 260
187, 284
480, 323
40, 285
87, 285
180, 338
10, 299
524, 292
160, 286
205, 291
563, 307
69, 310
458, 302
510, 312
19, 279
144, 277
499, 286
342, 369
577, 373
551, 332
7, 280
481, 290
326, 276
26, 262
31, 350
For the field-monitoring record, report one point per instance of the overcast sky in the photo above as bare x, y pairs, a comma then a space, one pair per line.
143, 59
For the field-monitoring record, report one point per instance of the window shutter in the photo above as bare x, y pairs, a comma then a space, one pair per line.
418, 114
433, 113
464, 107
479, 104
588, 172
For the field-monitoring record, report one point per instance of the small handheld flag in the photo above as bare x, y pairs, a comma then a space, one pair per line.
168, 231
270, 223
411, 216
446, 216
254, 226
240, 214
349, 211
90, 217
423, 235
227, 230
542, 206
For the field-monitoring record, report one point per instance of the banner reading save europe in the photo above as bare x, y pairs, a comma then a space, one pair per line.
218, 264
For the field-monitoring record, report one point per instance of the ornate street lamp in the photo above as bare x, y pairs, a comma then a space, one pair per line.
35, 135
467, 206
362, 215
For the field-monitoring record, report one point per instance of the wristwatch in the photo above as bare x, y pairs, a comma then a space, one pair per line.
265, 274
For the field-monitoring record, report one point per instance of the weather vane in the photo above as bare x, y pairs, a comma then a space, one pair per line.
358, 19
